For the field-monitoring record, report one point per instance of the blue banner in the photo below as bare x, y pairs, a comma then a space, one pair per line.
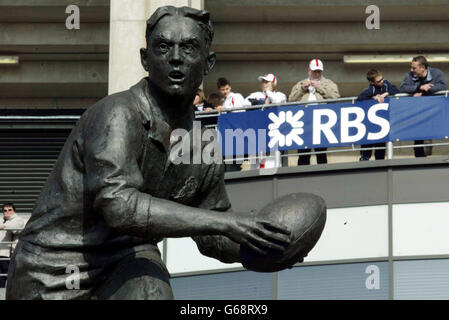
333, 125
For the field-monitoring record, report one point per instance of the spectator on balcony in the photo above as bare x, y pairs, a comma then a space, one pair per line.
268, 94
378, 89
8, 230
215, 100
315, 87
231, 100
422, 80
200, 103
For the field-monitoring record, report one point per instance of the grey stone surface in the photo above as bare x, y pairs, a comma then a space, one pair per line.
324, 10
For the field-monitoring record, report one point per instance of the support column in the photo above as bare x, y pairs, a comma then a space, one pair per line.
127, 36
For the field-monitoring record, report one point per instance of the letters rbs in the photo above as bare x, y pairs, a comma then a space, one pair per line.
352, 124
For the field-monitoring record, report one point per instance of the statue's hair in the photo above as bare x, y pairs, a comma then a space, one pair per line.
200, 16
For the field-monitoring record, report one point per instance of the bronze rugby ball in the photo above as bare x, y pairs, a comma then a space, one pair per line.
305, 215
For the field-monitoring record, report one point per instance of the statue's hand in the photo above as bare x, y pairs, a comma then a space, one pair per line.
257, 233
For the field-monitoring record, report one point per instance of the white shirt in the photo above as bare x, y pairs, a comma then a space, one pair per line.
234, 100
312, 90
15, 222
266, 97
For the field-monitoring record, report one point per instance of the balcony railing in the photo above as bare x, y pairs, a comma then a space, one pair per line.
16, 232
390, 147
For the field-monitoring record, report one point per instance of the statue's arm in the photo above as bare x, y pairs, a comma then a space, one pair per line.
112, 147
219, 247
216, 198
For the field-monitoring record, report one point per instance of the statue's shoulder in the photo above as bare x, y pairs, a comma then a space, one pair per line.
122, 102
130, 103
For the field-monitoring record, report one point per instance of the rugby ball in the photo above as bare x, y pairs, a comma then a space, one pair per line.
305, 215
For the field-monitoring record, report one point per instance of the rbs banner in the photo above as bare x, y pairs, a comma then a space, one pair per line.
334, 125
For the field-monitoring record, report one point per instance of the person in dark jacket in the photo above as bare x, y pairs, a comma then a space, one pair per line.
378, 89
422, 80
200, 103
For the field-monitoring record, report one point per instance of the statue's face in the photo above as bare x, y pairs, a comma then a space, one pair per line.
176, 57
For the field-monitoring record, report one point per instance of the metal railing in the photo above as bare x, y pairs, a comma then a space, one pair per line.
204, 114
390, 147
15, 232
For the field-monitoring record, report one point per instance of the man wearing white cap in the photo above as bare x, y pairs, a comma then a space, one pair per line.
315, 87
268, 94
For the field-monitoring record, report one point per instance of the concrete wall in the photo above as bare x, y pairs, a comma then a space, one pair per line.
58, 68
254, 38
388, 211
251, 38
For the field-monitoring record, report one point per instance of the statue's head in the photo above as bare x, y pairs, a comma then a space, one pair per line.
178, 54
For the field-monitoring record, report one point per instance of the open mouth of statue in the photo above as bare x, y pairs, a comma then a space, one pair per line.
176, 76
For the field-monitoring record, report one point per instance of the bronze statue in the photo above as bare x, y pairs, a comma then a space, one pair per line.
113, 193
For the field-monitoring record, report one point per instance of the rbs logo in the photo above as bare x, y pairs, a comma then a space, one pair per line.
325, 123
348, 122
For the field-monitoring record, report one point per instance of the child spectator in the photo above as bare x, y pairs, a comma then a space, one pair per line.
268, 94
378, 89
231, 100
215, 100
200, 103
